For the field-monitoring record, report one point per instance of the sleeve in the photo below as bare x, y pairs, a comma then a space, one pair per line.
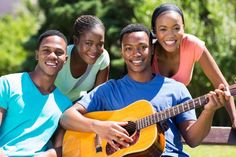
106, 60
199, 47
4, 92
93, 101
185, 96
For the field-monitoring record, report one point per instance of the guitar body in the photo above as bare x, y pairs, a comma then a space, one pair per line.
147, 142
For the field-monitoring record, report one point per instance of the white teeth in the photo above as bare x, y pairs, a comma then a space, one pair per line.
169, 42
92, 56
137, 61
51, 64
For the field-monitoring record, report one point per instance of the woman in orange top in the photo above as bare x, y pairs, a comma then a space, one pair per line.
175, 52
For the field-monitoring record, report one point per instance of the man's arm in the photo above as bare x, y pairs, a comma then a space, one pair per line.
72, 119
195, 131
58, 140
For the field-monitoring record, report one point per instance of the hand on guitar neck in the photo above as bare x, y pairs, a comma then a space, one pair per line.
218, 98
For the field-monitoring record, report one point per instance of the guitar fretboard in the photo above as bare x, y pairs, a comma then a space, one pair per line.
171, 112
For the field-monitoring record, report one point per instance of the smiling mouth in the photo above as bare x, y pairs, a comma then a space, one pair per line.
92, 56
170, 42
137, 62
51, 64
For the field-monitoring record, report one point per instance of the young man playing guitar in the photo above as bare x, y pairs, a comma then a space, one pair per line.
163, 93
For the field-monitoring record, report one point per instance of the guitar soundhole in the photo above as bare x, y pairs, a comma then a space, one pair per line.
131, 129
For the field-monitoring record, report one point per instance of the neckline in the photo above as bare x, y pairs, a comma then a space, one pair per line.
72, 47
154, 76
180, 62
36, 87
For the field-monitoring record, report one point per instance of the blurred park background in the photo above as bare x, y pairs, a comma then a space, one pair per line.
213, 21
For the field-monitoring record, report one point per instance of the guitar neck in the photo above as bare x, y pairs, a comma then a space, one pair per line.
173, 111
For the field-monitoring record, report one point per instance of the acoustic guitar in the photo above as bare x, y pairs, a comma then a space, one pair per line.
148, 139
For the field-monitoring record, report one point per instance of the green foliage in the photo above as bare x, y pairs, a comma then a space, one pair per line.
64, 13
15, 31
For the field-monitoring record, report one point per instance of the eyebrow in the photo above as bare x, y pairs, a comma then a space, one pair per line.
172, 26
48, 47
94, 41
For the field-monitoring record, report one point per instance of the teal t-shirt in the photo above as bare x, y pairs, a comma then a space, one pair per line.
30, 118
75, 88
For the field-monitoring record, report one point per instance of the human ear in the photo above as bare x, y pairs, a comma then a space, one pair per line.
121, 52
75, 40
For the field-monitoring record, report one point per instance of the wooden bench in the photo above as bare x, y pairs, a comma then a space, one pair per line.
220, 136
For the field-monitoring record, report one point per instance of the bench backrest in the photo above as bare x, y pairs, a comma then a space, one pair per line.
220, 135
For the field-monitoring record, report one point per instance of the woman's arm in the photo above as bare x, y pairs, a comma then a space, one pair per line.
216, 77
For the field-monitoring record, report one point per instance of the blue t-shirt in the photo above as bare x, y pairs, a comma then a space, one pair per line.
161, 92
30, 118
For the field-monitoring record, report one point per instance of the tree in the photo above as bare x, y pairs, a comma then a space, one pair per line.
15, 31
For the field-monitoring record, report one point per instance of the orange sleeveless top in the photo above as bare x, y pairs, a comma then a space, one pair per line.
191, 49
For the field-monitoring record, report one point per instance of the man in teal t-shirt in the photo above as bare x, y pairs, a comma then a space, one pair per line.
31, 105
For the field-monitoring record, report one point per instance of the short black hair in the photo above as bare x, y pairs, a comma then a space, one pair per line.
134, 28
50, 32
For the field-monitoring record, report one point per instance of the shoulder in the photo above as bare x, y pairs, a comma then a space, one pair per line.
192, 39
13, 77
108, 84
105, 87
105, 53
62, 99
178, 89
193, 44
12, 82
103, 60
174, 84
104, 56
69, 49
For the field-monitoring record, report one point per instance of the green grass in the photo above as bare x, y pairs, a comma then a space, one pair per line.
211, 151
